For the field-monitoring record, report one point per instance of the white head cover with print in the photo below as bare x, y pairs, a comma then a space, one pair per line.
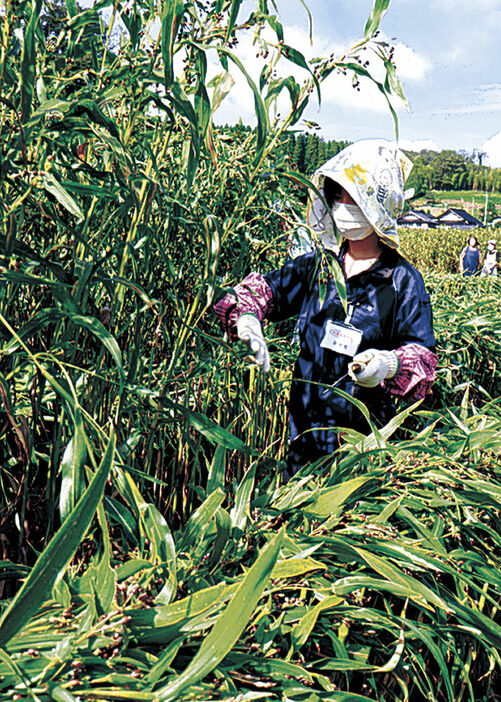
373, 171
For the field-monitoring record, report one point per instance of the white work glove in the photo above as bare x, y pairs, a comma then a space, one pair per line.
369, 368
249, 330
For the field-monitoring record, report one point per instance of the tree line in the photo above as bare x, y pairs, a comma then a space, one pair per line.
452, 170
308, 151
433, 170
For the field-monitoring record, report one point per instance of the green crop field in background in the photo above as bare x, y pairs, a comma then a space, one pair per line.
473, 201
438, 250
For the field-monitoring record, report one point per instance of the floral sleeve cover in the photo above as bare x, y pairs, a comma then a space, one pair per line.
253, 295
416, 372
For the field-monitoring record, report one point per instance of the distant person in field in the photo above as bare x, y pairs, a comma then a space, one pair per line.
491, 259
382, 344
470, 258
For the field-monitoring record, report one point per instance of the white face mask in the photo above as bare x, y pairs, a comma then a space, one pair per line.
351, 221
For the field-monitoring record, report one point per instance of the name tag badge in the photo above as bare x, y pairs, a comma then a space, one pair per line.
341, 338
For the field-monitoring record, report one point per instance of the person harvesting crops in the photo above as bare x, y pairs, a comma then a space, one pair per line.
470, 258
491, 259
381, 344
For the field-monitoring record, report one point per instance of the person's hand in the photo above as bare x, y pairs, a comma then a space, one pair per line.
249, 330
369, 368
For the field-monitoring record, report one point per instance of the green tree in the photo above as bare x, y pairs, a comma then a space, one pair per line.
419, 178
491, 211
291, 142
322, 153
311, 153
299, 153
447, 168
496, 181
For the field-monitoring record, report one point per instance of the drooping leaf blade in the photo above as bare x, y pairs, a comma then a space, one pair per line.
55, 558
230, 624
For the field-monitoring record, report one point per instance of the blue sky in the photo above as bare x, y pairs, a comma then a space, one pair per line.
448, 56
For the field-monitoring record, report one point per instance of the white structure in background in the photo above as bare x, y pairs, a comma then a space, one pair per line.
452, 217
459, 219
417, 219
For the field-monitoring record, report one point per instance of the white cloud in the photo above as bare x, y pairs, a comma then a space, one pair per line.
488, 95
418, 144
483, 98
470, 33
451, 55
337, 90
410, 65
492, 148
460, 6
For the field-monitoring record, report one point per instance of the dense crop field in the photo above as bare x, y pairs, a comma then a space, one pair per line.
438, 250
150, 550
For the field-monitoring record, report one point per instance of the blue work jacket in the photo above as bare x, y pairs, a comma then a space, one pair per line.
390, 306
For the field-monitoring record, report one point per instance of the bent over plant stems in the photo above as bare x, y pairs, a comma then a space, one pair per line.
230, 625
124, 211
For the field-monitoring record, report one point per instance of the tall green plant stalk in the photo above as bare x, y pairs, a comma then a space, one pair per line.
123, 205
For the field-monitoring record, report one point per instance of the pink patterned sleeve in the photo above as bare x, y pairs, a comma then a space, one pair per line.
416, 372
253, 295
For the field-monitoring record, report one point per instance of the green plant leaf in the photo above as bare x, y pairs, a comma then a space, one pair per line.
172, 12
60, 694
372, 24
130, 568
292, 567
104, 336
54, 187
56, 556
199, 520
303, 628
259, 107
297, 57
212, 431
327, 502
235, 7
72, 468
241, 511
29, 58
230, 624
217, 470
